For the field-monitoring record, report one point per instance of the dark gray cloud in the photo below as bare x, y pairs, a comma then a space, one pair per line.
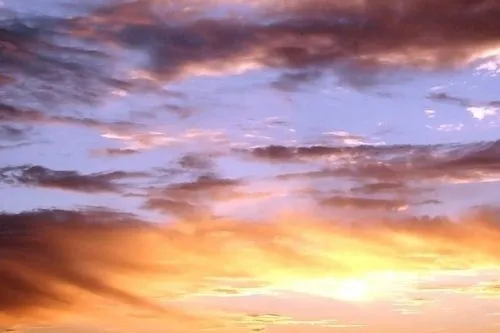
39, 176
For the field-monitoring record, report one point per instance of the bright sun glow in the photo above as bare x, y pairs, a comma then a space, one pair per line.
360, 289
353, 290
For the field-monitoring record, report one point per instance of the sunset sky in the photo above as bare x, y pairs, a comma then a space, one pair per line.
227, 166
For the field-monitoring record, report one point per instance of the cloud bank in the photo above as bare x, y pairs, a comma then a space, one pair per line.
71, 58
61, 263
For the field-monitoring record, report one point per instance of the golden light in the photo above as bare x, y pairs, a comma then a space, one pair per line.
371, 287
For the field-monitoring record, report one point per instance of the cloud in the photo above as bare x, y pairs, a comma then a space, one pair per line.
444, 97
259, 322
113, 152
209, 185
207, 195
448, 127
430, 113
478, 110
364, 203
28, 116
297, 154
76, 59
135, 136
362, 38
486, 288
381, 187
28, 119
60, 264
39, 176
139, 139
293, 81
348, 139
36, 55
490, 67
12, 133
57, 264
72, 59
178, 207
453, 163
196, 161
480, 113
191, 199
13, 136
461, 101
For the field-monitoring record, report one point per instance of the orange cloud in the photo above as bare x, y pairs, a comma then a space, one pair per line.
53, 270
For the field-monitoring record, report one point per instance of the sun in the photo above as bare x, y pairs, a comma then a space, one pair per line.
353, 290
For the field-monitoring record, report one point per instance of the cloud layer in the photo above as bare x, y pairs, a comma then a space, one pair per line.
60, 263
71, 59
365, 36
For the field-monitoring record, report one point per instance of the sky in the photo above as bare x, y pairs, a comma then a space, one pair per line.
249, 166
